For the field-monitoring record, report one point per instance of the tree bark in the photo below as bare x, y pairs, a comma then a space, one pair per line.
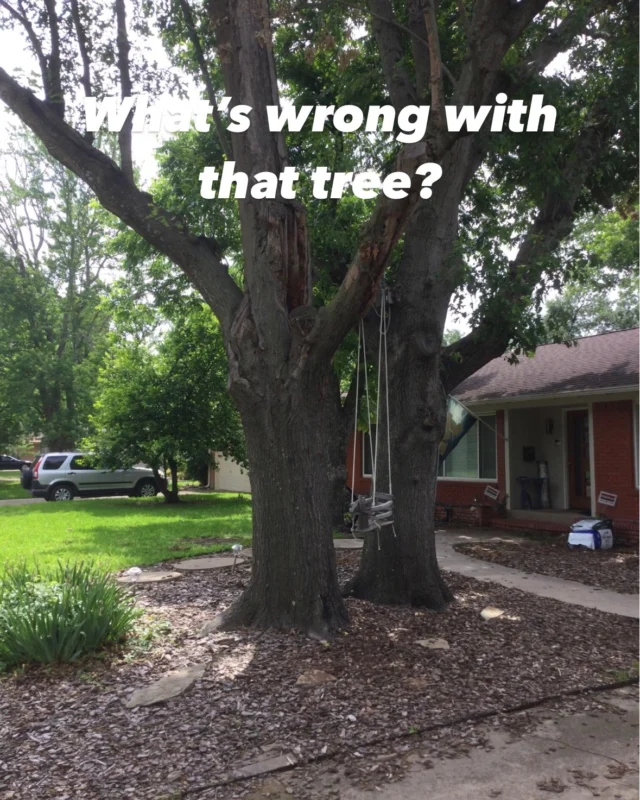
169, 492
294, 582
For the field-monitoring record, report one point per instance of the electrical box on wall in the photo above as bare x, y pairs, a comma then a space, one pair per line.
528, 453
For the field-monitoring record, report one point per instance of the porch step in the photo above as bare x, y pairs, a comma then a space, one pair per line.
547, 515
511, 523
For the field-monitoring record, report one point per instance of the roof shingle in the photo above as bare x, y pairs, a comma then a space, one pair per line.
595, 363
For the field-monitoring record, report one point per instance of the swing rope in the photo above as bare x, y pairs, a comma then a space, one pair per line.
375, 511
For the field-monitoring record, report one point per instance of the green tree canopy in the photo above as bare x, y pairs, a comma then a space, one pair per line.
167, 406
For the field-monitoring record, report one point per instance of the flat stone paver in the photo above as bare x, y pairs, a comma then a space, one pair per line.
208, 563
626, 605
170, 685
348, 544
151, 577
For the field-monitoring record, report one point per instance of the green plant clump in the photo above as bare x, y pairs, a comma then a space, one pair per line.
59, 615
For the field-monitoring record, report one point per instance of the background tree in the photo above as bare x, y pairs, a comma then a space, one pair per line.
169, 407
54, 258
602, 291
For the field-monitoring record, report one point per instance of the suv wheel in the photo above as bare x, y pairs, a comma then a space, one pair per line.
61, 493
146, 489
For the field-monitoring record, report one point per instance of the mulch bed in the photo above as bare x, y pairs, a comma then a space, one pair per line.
66, 733
615, 569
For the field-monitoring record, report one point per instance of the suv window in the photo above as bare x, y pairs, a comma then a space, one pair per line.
82, 462
54, 462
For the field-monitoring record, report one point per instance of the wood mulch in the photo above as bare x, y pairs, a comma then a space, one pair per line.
615, 569
66, 733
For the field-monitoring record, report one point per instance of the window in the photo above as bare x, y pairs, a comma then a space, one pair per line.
474, 457
367, 460
81, 462
54, 462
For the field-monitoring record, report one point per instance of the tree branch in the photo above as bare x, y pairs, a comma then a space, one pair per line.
389, 42
435, 63
206, 77
196, 256
55, 79
35, 44
560, 39
84, 57
419, 47
446, 71
124, 136
553, 223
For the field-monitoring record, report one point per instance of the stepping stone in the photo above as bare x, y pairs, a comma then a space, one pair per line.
433, 643
266, 765
150, 577
208, 563
348, 544
491, 612
170, 685
315, 677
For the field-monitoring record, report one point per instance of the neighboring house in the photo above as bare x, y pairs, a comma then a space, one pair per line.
574, 408
229, 476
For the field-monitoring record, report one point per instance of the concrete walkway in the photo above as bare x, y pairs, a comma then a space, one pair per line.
626, 605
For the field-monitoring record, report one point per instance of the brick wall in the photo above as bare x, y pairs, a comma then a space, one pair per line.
613, 437
465, 499
362, 485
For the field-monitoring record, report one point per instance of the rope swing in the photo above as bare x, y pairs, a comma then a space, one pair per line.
375, 511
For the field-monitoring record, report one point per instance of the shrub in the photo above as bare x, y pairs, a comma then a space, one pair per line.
59, 615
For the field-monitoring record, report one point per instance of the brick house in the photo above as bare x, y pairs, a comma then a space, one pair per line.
573, 409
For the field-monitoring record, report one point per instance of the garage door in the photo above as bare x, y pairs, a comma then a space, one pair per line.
230, 476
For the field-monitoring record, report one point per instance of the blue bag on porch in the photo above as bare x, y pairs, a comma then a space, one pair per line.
595, 534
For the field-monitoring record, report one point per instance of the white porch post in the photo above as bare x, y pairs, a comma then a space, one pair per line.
507, 459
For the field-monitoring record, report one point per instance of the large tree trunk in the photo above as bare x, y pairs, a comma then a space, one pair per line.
399, 564
294, 582
403, 568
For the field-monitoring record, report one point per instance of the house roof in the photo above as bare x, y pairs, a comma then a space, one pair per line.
593, 364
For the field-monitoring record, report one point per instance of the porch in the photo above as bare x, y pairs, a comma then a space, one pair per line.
549, 464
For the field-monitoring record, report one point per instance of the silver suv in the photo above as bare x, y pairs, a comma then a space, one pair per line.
63, 476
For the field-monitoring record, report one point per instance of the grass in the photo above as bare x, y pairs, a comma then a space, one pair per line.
121, 533
10, 488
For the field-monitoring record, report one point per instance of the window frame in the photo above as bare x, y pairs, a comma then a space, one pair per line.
364, 444
46, 458
444, 477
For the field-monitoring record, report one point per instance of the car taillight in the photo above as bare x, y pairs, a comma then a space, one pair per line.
35, 469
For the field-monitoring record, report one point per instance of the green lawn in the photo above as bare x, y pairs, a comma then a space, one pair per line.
121, 533
10, 488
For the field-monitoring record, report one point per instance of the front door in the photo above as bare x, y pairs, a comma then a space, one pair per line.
578, 460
